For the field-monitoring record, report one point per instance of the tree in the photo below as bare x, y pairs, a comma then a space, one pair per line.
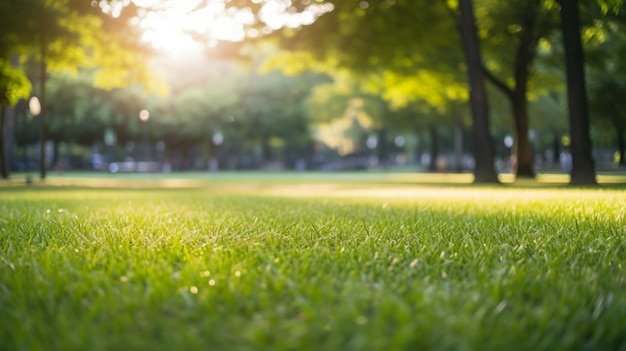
13, 86
79, 114
13, 82
607, 103
513, 31
606, 73
67, 34
483, 146
583, 170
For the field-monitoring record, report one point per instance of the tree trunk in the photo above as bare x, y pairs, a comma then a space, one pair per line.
484, 171
55, 153
434, 148
522, 147
43, 124
458, 144
10, 141
519, 101
4, 171
583, 170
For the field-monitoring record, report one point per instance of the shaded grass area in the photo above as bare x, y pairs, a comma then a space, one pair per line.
257, 266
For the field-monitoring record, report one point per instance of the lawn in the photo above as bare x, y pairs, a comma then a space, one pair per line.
306, 264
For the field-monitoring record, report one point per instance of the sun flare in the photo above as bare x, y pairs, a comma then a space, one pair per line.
176, 25
190, 25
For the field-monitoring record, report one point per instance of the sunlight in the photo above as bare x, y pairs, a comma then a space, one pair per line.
183, 26
173, 24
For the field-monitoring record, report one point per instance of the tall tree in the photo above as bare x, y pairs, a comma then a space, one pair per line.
607, 76
483, 145
67, 34
13, 86
583, 170
15, 38
513, 33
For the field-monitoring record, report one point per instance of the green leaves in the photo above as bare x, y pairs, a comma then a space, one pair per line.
14, 85
610, 5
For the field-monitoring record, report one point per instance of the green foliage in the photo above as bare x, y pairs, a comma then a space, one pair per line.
14, 85
79, 111
333, 266
610, 5
606, 74
390, 47
68, 34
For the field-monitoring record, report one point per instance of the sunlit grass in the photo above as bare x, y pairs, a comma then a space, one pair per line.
312, 266
199, 179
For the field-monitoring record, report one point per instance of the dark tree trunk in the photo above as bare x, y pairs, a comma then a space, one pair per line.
55, 153
434, 148
583, 170
10, 141
556, 148
522, 147
484, 171
519, 103
43, 124
458, 144
4, 170
524, 57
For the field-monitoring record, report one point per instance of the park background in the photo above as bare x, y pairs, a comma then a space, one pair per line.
121, 86
126, 222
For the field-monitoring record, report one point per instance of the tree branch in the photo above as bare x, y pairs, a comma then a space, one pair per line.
497, 82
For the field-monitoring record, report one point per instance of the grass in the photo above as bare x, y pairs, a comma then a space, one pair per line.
311, 265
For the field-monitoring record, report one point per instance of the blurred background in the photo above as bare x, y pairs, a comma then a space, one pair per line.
163, 86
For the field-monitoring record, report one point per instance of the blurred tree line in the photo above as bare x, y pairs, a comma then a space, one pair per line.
42, 36
524, 50
367, 80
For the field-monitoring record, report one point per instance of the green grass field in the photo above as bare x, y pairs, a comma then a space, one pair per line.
285, 262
